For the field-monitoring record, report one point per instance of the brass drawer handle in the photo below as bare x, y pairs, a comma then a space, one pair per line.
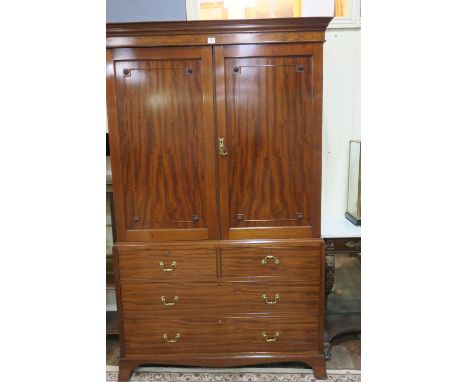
173, 265
270, 257
177, 338
174, 300
270, 339
265, 297
352, 245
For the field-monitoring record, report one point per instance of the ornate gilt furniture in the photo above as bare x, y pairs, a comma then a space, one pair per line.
215, 135
343, 303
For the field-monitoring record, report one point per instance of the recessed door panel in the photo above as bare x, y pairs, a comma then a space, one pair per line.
265, 116
165, 129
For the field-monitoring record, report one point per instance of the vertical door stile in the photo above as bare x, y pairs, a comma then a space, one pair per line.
224, 192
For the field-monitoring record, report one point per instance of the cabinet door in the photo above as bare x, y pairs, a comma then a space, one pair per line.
160, 105
269, 115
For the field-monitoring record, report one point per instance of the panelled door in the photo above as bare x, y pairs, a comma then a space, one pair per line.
269, 140
163, 150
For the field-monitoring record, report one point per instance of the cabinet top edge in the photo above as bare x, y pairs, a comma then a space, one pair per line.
296, 24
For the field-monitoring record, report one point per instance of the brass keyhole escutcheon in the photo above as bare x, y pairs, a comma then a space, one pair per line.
221, 148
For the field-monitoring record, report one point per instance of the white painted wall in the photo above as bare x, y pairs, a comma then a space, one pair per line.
341, 115
311, 8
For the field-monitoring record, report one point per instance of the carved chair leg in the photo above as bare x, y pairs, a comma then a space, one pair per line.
329, 273
326, 350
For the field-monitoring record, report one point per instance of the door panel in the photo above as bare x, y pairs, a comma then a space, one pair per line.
165, 130
267, 114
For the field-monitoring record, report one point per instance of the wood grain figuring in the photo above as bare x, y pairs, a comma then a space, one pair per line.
232, 298
160, 100
234, 334
295, 298
265, 131
165, 141
218, 259
247, 233
263, 93
198, 264
294, 263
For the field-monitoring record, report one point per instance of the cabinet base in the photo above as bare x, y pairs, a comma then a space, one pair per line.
314, 360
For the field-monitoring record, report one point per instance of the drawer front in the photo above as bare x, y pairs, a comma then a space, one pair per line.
219, 299
169, 299
165, 265
347, 245
292, 263
153, 335
271, 334
231, 335
269, 298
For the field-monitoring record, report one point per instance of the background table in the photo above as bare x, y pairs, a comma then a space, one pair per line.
343, 279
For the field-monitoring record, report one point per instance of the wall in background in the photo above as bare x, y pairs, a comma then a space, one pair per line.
341, 114
144, 10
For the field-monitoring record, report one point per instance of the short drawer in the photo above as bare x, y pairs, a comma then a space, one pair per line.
343, 244
169, 299
292, 263
230, 335
168, 264
219, 298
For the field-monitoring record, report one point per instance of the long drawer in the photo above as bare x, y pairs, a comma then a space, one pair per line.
165, 265
230, 335
291, 263
220, 298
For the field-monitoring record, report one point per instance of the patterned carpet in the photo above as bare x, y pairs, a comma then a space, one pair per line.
177, 374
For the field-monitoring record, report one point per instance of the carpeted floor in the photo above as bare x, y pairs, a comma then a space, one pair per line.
265, 374
344, 366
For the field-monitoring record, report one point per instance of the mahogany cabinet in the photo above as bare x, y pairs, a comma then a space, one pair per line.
215, 137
